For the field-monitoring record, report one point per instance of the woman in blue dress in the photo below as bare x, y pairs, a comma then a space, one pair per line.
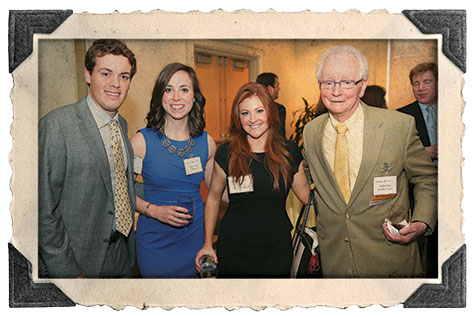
176, 155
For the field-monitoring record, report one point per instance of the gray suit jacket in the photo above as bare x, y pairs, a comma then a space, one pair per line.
76, 204
351, 239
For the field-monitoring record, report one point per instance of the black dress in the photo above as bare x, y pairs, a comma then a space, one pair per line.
254, 238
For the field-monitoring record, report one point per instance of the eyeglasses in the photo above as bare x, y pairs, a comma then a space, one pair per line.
345, 84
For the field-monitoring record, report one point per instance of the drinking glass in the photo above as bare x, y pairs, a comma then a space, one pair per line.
186, 201
208, 268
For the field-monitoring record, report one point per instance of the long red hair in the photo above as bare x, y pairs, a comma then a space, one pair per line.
240, 155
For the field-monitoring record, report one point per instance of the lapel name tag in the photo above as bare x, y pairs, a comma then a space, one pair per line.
385, 185
236, 188
193, 165
384, 189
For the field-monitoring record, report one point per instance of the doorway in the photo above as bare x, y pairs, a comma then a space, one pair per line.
220, 77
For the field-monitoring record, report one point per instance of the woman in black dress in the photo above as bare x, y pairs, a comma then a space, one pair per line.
259, 167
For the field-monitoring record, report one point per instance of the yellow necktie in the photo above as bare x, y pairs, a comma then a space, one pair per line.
341, 168
123, 214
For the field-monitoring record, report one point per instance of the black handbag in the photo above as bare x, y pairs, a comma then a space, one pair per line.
305, 249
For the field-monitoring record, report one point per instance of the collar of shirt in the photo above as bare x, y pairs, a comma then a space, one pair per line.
425, 107
102, 119
352, 123
99, 115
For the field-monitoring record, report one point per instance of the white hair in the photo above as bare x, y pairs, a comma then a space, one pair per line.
348, 50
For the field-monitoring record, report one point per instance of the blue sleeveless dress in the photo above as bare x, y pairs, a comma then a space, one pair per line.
163, 250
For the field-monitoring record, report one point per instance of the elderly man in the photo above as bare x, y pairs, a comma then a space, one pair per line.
361, 160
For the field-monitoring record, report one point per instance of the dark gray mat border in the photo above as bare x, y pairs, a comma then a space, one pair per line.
451, 293
24, 292
22, 24
450, 23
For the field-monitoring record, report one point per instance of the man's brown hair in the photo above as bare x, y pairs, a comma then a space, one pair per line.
109, 46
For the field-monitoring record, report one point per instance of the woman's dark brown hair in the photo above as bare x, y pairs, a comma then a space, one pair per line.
156, 116
240, 155
374, 96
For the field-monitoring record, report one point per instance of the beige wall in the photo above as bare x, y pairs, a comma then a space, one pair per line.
61, 79
405, 55
59, 76
57, 83
279, 57
151, 57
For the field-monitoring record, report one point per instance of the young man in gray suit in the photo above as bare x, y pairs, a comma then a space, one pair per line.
361, 160
86, 185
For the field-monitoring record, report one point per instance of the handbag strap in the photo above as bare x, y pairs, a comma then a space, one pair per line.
302, 210
314, 203
304, 213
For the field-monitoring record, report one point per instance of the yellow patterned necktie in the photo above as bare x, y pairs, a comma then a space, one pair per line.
342, 162
123, 214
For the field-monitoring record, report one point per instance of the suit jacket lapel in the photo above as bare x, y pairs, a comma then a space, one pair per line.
372, 144
123, 130
130, 156
92, 135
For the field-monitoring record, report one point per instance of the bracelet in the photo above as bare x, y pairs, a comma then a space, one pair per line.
146, 209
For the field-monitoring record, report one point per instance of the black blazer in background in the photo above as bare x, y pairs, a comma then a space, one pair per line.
281, 110
414, 110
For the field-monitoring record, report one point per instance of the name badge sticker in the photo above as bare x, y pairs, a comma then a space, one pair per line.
384, 189
193, 165
247, 185
385, 185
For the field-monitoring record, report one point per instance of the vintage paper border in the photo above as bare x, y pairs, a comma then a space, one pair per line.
236, 293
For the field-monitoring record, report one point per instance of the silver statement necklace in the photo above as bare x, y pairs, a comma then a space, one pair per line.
180, 152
